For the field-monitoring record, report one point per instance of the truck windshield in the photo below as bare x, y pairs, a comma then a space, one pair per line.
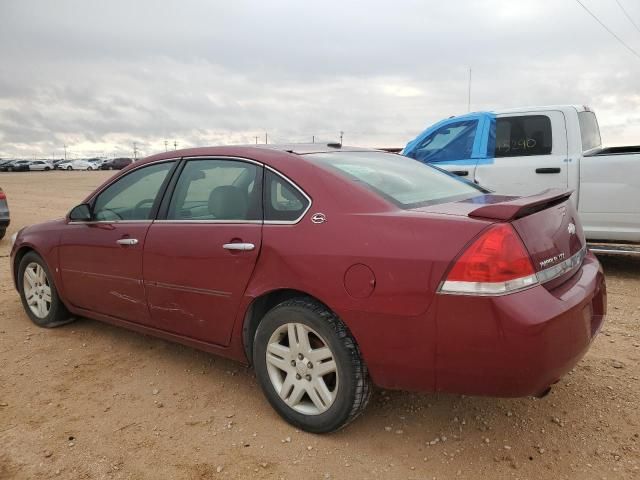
404, 182
589, 131
453, 141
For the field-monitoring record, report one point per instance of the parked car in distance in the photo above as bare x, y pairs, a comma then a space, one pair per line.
116, 164
97, 162
76, 165
16, 166
329, 269
5, 219
525, 150
41, 165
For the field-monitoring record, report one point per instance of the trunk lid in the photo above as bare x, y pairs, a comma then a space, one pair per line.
547, 223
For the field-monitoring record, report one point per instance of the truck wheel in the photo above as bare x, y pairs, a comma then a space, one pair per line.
38, 293
309, 366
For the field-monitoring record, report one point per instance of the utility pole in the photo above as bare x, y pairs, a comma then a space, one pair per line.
166, 143
266, 138
313, 139
65, 152
341, 135
256, 139
175, 145
469, 93
135, 151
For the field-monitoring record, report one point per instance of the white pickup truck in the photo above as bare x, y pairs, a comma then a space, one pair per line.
526, 150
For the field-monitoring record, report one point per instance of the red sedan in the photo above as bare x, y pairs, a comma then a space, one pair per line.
329, 269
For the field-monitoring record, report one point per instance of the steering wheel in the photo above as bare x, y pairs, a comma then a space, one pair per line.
141, 203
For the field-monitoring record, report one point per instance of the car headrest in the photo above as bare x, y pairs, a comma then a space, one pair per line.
227, 202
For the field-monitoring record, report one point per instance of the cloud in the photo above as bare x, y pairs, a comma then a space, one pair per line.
98, 76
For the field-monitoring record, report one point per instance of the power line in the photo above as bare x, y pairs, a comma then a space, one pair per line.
609, 30
627, 15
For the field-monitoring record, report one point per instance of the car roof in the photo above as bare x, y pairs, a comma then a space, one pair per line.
258, 152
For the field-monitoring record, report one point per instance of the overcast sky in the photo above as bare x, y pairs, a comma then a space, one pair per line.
100, 75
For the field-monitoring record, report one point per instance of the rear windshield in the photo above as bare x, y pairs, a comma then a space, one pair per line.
405, 182
589, 131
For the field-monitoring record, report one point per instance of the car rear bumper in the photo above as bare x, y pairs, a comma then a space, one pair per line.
519, 344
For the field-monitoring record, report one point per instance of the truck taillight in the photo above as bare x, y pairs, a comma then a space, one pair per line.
495, 264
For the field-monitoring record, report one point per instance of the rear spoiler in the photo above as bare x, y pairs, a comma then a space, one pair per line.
522, 206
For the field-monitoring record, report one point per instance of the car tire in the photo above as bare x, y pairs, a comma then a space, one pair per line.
43, 313
329, 361
89, 168
3, 232
69, 167
46, 169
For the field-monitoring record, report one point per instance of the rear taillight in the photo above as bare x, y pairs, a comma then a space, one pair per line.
495, 264
3, 196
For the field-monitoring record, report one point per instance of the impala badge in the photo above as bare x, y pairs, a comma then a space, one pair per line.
318, 218
571, 228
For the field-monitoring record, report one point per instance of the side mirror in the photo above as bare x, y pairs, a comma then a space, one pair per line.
81, 213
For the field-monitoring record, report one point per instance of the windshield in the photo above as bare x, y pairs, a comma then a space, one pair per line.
453, 141
405, 182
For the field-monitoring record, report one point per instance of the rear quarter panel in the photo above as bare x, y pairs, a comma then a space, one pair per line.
408, 253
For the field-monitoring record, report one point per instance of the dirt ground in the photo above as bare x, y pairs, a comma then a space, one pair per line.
89, 400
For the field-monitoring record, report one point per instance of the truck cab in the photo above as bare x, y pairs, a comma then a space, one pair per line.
526, 150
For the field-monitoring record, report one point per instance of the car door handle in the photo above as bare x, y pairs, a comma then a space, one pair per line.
127, 241
239, 246
548, 170
460, 173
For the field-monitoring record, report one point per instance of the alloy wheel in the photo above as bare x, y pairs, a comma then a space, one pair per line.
302, 368
37, 290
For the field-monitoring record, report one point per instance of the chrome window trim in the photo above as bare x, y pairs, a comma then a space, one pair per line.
295, 185
93, 222
251, 222
224, 157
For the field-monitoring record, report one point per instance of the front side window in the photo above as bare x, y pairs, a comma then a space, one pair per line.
212, 189
589, 131
283, 201
132, 197
400, 180
523, 136
450, 142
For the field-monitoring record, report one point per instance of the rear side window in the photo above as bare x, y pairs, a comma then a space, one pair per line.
453, 141
522, 136
283, 201
217, 190
589, 131
400, 180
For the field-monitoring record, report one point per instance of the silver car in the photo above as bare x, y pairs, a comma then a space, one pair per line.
41, 165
